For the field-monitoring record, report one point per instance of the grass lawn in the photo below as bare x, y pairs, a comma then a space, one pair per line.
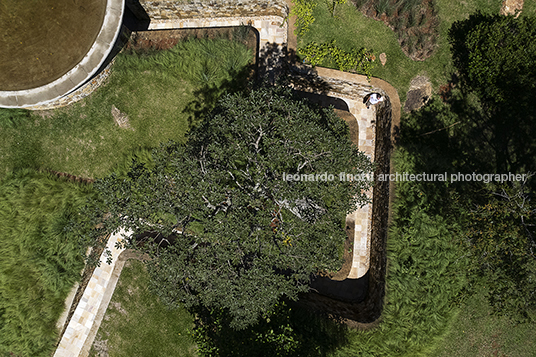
83, 139
415, 324
350, 28
137, 324
477, 332
157, 91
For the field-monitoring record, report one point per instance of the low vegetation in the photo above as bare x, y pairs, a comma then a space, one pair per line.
158, 95
352, 29
415, 23
137, 324
41, 260
159, 92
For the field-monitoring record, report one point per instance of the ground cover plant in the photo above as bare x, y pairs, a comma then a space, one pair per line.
157, 91
415, 23
160, 98
41, 260
470, 223
138, 324
351, 30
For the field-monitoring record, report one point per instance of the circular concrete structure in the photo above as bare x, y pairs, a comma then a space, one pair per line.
79, 74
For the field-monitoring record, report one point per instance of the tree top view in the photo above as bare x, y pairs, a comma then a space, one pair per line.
187, 147
235, 234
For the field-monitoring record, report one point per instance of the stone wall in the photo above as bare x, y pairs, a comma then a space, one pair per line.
364, 311
168, 10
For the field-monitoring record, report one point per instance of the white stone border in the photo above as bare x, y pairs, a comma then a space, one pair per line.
81, 330
78, 75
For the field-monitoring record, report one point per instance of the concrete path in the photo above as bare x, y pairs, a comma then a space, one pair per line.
81, 330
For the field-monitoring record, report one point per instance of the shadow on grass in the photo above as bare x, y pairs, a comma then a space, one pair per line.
290, 330
208, 95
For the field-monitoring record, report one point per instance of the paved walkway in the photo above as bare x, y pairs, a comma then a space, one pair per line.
81, 330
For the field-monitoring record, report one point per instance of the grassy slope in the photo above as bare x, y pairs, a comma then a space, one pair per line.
477, 332
40, 260
83, 139
350, 28
136, 324
155, 92
473, 331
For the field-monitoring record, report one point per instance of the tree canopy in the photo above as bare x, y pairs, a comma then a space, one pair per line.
227, 229
495, 57
486, 125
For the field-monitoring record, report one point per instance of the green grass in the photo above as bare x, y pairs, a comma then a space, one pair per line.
424, 275
529, 8
40, 259
350, 28
158, 91
161, 92
477, 332
137, 324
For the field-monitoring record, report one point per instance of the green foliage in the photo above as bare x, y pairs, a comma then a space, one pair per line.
428, 258
247, 236
82, 139
303, 10
201, 61
281, 331
501, 234
137, 324
496, 56
424, 281
40, 259
332, 3
360, 60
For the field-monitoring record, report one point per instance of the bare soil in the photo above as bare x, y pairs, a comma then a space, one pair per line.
511, 7
41, 40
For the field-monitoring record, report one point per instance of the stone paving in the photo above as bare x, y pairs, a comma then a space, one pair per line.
351, 88
94, 302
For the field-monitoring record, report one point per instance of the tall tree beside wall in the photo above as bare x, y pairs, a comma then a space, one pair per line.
245, 236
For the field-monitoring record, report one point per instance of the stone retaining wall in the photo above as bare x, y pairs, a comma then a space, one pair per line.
168, 10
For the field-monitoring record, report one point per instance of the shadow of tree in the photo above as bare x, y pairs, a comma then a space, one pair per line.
208, 95
290, 330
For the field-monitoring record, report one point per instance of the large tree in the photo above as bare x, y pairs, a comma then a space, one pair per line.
495, 57
228, 230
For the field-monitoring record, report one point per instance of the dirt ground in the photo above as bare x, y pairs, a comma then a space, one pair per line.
40, 40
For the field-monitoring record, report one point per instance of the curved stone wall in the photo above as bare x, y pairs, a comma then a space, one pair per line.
78, 75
